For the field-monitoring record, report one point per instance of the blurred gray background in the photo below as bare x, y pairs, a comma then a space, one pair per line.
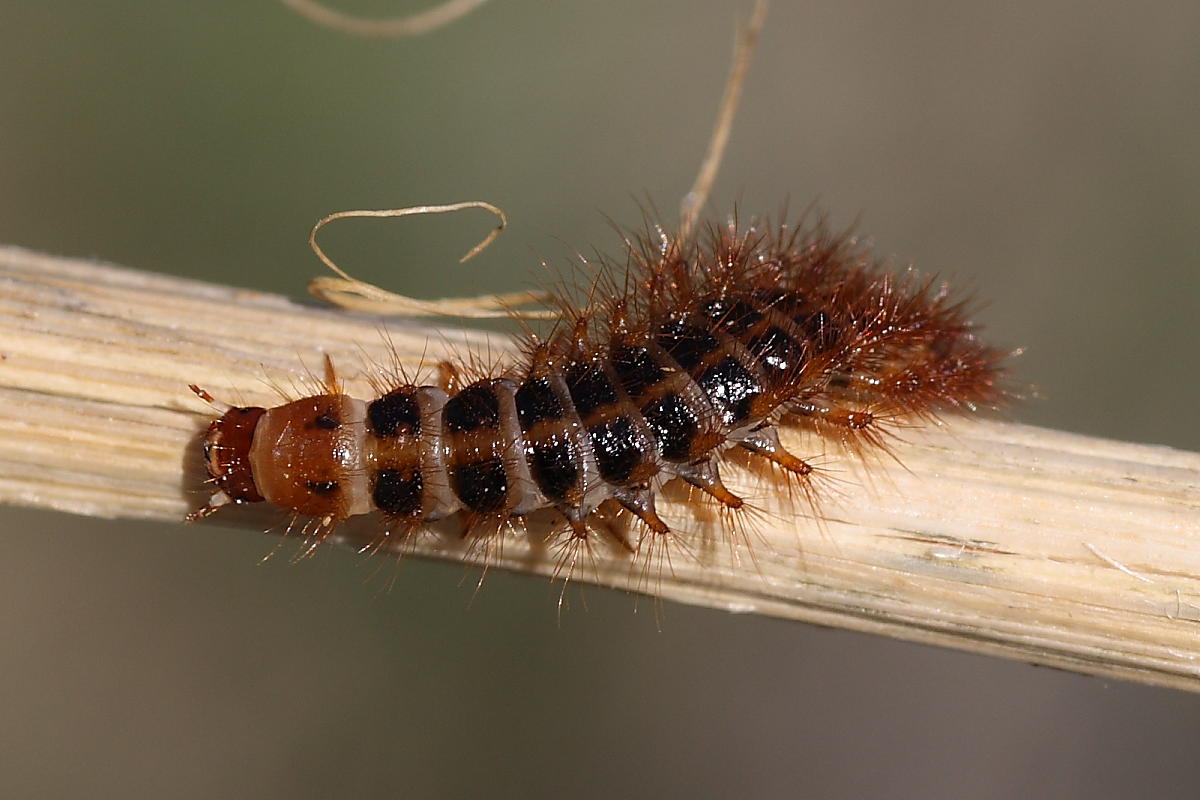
1045, 153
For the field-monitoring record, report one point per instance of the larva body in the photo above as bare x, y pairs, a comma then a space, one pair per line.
709, 348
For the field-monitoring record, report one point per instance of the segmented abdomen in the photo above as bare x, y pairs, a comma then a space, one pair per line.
706, 351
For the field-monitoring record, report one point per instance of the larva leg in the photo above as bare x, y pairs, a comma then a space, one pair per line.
449, 377
217, 405
331, 384
844, 420
641, 503
850, 419
214, 504
219, 499
705, 477
765, 442
604, 521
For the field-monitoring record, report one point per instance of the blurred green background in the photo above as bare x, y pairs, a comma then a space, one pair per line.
1046, 154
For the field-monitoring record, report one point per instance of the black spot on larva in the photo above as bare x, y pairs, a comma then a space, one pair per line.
554, 466
472, 408
536, 401
674, 424
394, 414
731, 386
776, 350
618, 448
686, 343
482, 486
398, 492
590, 388
327, 422
322, 487
637, 370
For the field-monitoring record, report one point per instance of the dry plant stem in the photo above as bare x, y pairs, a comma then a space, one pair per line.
350, 293
996, 538
694, 200
416, 24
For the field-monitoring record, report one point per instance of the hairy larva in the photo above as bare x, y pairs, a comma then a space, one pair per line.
1041, 156
712, 343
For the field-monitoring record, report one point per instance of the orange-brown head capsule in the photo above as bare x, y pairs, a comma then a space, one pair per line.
227, 453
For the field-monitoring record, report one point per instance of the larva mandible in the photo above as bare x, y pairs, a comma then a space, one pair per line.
715, 341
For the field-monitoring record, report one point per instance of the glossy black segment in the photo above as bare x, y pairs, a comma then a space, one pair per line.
618, 448
674, 424
686, 343
732, 387
636, 369
394, 414
398, 492
482, 486
776, 350
715, 309
536, 401
590, 388
322, 487
732, 315
554, 466
326, 422
473, 408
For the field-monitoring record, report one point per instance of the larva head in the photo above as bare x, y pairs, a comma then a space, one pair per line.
227, 453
